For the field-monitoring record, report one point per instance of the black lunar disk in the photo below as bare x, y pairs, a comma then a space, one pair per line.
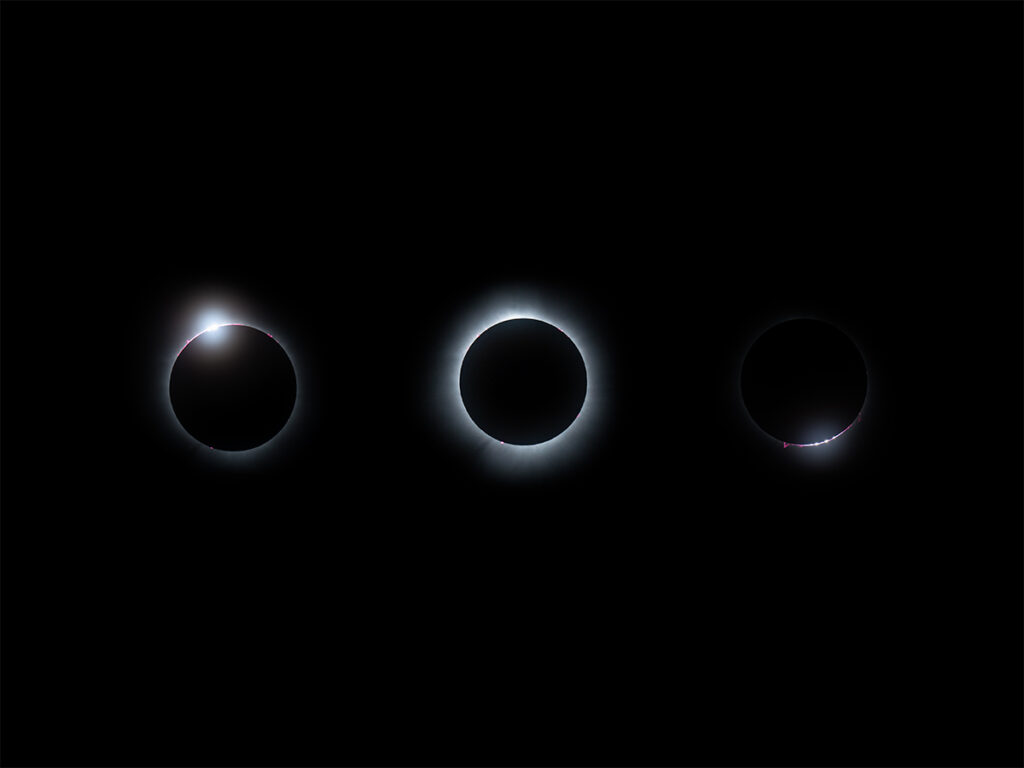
523, 381
804, 381
233, 387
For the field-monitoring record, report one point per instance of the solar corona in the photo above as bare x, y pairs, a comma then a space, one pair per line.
521, 383
232, 387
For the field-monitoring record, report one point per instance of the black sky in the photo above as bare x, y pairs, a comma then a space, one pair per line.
690, 174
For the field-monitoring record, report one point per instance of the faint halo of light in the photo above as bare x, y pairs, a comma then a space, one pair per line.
571, 445
754, 332
208, 310
585, 370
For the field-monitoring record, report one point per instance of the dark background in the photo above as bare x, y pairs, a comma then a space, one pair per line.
692, 594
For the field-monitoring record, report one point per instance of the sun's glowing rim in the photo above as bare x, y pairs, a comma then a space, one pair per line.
249, 458
821, 442
208, 329
763, 326
574, 418
503, 459
513, 446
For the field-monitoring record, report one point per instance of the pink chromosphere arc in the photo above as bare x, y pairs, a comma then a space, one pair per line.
211, 328
822, 442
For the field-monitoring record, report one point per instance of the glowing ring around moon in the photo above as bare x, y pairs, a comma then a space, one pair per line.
570, 446
205, 319
830, 448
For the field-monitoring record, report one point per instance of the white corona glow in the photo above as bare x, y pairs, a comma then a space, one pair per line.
205, 312
495, 456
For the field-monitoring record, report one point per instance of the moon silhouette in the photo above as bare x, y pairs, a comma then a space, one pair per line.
232, 387
523, 381
804, 382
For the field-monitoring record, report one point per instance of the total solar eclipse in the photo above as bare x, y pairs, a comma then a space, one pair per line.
523, 381
232, 387
804, 382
